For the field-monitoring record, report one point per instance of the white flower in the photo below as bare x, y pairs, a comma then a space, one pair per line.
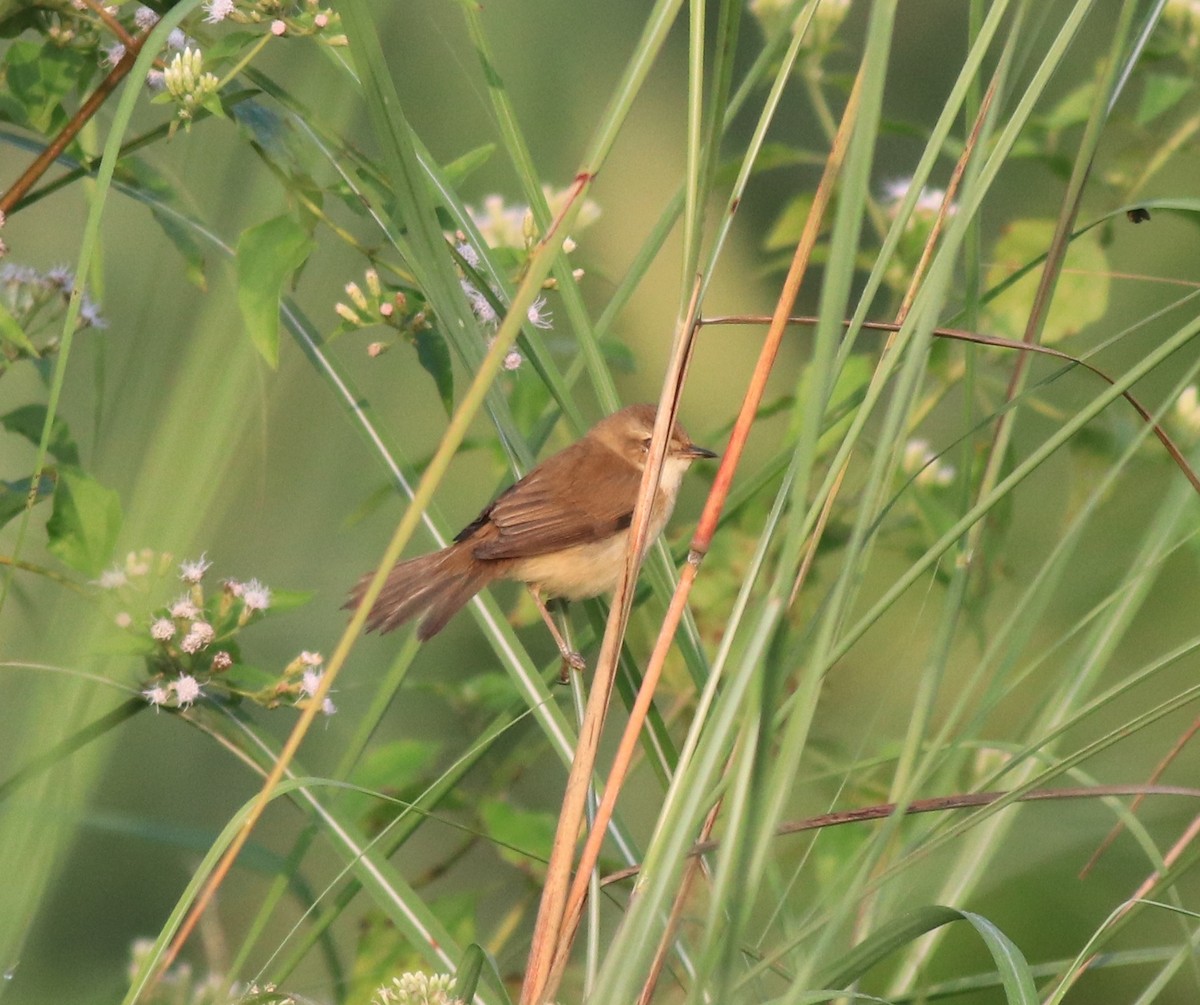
112, 579
217, 11
193, 572
89, 314
221, 661
310, 682
328, 707
157, 695
255, 596
145, 18
177, 40
928, 204
187, 690
199, 635
1187, 409
921, 462
188, 82
184, 608
113, 55
311, 659
162, 629
468, 253
124, 619
278, 27
417, 989
513, 360
538, 316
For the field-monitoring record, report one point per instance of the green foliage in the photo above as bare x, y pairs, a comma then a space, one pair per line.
267, 257
942, 568
86, 520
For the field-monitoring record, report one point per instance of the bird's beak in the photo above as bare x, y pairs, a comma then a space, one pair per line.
696, 453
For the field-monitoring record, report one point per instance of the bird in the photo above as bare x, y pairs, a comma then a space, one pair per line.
561, 530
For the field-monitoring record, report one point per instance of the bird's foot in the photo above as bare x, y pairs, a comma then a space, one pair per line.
571, 660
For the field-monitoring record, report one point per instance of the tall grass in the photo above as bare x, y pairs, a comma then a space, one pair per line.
940, 573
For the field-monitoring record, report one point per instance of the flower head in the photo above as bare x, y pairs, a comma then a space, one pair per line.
112, 579
538, 316
157, 695
187, 690
193, 572
199, 635
921, 462
162, 630
217, 11
1187, 409
417, 989
256, 596
184, 608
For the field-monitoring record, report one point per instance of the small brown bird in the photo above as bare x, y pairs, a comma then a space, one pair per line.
561, 530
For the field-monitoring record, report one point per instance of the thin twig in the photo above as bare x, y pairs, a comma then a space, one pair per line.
41, 163
938, 804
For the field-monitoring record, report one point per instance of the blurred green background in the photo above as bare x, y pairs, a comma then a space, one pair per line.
212, 452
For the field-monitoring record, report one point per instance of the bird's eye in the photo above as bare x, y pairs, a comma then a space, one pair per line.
646, 443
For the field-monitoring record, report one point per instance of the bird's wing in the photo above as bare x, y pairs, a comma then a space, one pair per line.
575, 497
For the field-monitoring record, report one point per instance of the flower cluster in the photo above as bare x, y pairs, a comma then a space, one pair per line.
402, 310
305, 18
509, 233
922, 465
37, 302
189, 85
917, 227
180, 985
417, 989
190, 644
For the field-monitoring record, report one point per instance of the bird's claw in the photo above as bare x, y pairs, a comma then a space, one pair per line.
571, 660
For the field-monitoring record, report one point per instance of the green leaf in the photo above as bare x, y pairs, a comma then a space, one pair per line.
459, 168
434, 357
789, 224
522, 837
12, 334
287, 600
37, 78
86, 520
400, 766
1015, 976
266, 256
1161, 93
15, 495
28, 420
1080, 296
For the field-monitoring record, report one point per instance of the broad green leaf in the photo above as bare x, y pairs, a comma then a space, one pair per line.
86, 520
1161, 93
37, 78
266, 256
28, 420
1080, 297
15, 495
522, 837
434, 357
789, 224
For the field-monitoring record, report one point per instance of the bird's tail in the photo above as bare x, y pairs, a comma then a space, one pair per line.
433, 587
